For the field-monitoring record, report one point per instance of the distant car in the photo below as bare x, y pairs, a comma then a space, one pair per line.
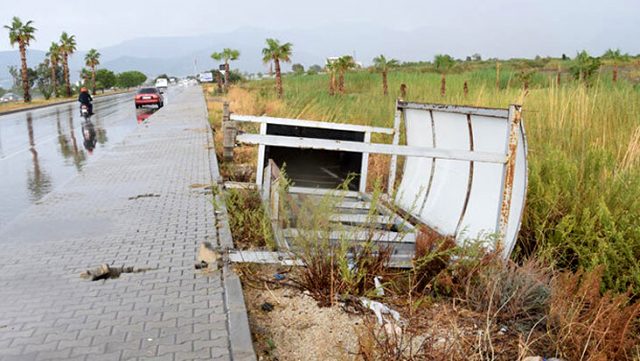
9, 97
149, 96
162, 84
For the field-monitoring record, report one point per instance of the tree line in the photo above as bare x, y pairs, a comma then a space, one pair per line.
51, 77
582, 68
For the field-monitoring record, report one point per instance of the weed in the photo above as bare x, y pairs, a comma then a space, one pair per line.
250, 228
585, 324
584, 178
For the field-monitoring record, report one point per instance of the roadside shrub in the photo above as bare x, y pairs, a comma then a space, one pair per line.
510, 294
585, 324
250, 227
333, 267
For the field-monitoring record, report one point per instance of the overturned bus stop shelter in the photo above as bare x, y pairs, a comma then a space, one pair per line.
464, 173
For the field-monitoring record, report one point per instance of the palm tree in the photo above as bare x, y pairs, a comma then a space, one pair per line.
331, 69
218, 81
277, 52
85, 75
92, 59
22, 33
616, 57
227, 55
54, 58
343, 64
67, 47
382, 65
443, 63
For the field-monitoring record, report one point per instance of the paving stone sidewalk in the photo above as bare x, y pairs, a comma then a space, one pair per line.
142, 204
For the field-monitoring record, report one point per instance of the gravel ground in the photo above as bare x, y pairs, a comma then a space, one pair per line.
297, 329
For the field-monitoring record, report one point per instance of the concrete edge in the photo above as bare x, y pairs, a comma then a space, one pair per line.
240, 341
36, 107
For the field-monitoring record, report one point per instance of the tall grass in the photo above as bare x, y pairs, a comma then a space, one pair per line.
583, 207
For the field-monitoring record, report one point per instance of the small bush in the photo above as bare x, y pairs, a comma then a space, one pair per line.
585, 324
250, 227
511, 294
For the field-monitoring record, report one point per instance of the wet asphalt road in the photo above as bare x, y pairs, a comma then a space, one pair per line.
44, 148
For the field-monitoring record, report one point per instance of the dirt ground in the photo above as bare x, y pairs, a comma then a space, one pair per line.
297, 329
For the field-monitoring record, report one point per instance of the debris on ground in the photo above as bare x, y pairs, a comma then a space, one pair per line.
380, 309
378, 284
104, 271
146, 195
267, 307
208, 258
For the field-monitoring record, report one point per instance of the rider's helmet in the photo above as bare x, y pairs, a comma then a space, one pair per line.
83, 90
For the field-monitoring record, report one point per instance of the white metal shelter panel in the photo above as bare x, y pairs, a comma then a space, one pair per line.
445, 202
519, 192
483, 208
462, 198
413, 188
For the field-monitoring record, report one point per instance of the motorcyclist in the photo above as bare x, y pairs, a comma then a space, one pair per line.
85, 99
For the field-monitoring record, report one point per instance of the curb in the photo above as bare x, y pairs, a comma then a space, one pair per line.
240, 342
36, 107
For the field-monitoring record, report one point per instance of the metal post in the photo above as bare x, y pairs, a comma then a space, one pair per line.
515, 115
364, 168
261, 150
394, 158
229, 133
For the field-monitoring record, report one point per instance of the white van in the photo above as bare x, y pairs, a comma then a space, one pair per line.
162, 84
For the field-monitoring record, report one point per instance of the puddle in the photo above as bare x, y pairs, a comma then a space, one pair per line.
42, 149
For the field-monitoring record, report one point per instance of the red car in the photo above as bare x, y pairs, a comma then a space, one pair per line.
149, 96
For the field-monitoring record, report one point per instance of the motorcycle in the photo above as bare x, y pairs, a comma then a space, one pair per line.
84, 111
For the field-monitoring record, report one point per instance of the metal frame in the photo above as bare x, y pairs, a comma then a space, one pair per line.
483, 111
310, 124
377, 148
435, 151
515, 135
264, 121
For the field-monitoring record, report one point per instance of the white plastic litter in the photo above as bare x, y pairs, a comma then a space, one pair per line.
380, 309
379, 289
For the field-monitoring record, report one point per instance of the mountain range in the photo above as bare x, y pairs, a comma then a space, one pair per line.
189, 54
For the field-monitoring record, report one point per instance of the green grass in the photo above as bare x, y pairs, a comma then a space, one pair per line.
583, 207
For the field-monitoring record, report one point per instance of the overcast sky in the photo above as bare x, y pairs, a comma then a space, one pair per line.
98, 23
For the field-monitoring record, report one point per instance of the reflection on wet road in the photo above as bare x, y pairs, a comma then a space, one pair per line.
44, 148
144, 113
